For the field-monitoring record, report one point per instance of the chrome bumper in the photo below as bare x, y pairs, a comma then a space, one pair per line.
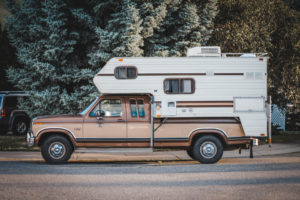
30, 138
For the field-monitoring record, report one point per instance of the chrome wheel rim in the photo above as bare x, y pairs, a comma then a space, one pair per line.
208, 149
57, 150
21, 127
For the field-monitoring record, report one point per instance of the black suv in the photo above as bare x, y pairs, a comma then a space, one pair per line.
12, 119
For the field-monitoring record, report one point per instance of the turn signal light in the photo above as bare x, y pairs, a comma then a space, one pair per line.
2, 111
262, 134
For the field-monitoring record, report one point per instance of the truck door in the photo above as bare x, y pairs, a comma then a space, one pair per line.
111, 130
138, 121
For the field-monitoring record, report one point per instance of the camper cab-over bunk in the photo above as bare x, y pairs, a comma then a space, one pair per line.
205, 103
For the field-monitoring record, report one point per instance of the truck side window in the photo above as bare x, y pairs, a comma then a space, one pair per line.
179, 86
141, 108
111, 108
137, 108
133, 109
125, 72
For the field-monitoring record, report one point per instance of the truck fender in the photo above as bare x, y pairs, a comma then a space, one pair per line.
43, 133
221, 134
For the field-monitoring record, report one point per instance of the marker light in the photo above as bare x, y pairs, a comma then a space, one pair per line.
262, 134
2, 111
261, 59
158, 115
120, 59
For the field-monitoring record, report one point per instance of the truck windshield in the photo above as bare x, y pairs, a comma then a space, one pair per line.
89, 107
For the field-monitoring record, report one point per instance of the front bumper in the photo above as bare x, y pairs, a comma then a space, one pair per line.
30, 138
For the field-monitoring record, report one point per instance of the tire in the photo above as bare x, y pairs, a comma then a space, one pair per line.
20, 126
190, 152
56, 150
208, 149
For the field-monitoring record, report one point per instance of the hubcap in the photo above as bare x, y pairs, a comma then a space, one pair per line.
21, 127
208, 149
57, 150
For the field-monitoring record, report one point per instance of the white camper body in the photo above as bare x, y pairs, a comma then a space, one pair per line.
228, 85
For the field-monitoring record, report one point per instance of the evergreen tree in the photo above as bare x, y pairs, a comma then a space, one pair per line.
121, 36
51, 70
60, 45
263, 26
185, 24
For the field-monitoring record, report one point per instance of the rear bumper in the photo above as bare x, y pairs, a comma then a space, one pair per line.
30, 138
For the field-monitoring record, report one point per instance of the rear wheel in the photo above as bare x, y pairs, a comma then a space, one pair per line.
20, 126
208, 149
56, 150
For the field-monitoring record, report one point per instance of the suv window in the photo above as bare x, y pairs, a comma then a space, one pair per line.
111, 108
10, 102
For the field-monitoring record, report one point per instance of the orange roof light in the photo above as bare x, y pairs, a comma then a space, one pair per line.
120, 59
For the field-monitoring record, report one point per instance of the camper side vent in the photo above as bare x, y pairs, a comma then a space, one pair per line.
204, 51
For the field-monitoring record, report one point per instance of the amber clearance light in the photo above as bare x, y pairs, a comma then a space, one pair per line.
38, 123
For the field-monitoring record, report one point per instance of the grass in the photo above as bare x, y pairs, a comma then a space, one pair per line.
286, 137
15, 143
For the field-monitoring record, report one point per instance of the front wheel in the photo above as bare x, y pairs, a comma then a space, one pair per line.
190, 152
56, 150
208, 149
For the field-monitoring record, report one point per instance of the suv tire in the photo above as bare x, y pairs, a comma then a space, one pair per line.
20, 126
56, 149
208, 149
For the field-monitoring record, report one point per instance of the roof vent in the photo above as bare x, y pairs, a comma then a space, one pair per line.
204, 51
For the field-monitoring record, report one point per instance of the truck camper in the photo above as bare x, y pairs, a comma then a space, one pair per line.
204, 103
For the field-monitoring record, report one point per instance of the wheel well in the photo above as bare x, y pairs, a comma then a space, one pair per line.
198, 135
48, 134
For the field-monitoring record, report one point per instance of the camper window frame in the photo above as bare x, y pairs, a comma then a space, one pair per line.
179, 87
126, 67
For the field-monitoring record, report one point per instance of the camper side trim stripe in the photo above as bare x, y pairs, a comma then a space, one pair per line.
180, 74
161, 74
229, 74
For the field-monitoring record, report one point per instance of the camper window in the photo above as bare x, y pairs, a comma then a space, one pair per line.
125, 72
179, 86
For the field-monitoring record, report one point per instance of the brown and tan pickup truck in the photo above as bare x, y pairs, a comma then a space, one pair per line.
124, 121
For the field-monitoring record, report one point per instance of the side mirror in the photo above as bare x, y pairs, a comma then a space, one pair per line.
100, 114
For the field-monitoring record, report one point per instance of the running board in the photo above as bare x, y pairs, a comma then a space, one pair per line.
113, 150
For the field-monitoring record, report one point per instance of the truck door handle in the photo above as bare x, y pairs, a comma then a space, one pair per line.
120, 120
